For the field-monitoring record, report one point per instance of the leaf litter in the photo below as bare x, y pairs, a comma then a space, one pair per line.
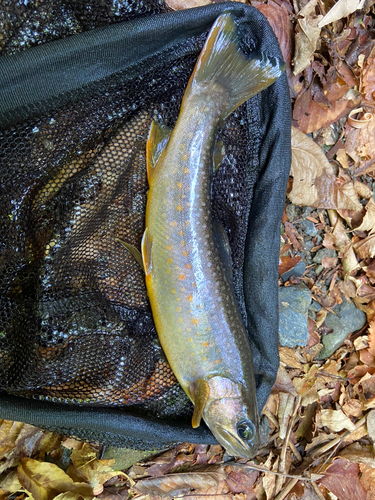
321, 412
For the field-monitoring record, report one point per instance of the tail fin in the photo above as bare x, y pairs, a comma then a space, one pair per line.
222, 61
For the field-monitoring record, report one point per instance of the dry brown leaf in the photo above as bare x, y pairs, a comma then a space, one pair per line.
361, 189
342, 158
368, 480
314, 183
352, 408
27, 444
334, 420
45, 480
289, 358
370, 423
286, 263
343, 244
94, 472
283, 382
365, 248
342, 479
307, 36
9, 485
368, 222
341, 9
371, 337
360, 143
329, 262
174, 484
269, 480
368, 76
9, 432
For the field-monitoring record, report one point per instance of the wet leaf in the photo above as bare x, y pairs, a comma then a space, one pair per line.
314, 182
45, 480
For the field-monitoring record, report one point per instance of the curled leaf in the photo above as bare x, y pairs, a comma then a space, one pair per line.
359, 122
341, 9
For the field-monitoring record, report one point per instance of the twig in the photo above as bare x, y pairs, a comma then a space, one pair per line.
283, 493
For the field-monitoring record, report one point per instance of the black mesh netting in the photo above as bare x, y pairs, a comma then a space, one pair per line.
75, 111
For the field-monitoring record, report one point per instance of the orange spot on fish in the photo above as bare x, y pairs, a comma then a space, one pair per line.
194, 285
183, 243
168, 271
188, 266
187, 222
208, 329
190, 339
195, 321
169, 247
186, 170
204, 359
173, 290
205, 344
184, 253
217, 361
190, 298
178, 309
173, 223
181, 277
180, 233
170, 260
179, 208
184, 157
180, 185
180, 320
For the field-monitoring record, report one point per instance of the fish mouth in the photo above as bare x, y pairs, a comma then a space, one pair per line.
234, 446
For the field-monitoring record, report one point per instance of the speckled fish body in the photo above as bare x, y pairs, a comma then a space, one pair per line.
194, 307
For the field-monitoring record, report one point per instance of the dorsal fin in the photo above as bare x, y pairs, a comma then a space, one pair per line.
157, 141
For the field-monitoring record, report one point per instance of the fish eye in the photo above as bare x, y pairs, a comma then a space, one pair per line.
246, 430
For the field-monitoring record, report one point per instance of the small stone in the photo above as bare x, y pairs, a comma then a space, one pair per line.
297, 270
308, 227
314, 306
293, 304
291, 212
348, 320
309, 245
318, 269
324, 252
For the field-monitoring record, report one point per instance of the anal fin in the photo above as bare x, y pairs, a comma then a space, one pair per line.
201, 395
133, 251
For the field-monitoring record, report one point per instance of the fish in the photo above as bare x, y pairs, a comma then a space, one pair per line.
192, 298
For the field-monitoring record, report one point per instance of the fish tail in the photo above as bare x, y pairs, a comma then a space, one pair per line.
223, 62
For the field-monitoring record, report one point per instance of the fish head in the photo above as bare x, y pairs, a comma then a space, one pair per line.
232, 416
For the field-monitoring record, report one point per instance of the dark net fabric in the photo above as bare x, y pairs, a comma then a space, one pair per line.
75, 323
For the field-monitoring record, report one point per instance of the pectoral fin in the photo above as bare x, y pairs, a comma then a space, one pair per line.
147, 252
201, 394
218, 155
157, 141
134, 251
223, 246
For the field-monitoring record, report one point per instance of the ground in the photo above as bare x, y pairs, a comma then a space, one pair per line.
320, 413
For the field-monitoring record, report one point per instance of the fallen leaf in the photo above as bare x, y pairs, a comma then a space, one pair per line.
314, 182
368, 221
45, 480
368, 479
361, 189
289, 358
209, 483
287, 263
341, 9
343, 244
360, 143
365, 248
241, 481
9, 485
342, 479
307, 36
27, 444
329, 262
368, 76
370, 423
334, 420
9, 432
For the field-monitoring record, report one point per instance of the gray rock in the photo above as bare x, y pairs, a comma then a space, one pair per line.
348, 320
308, 227
293, 304
291, 211
297, 270
323, 252
309, 245
315, 306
